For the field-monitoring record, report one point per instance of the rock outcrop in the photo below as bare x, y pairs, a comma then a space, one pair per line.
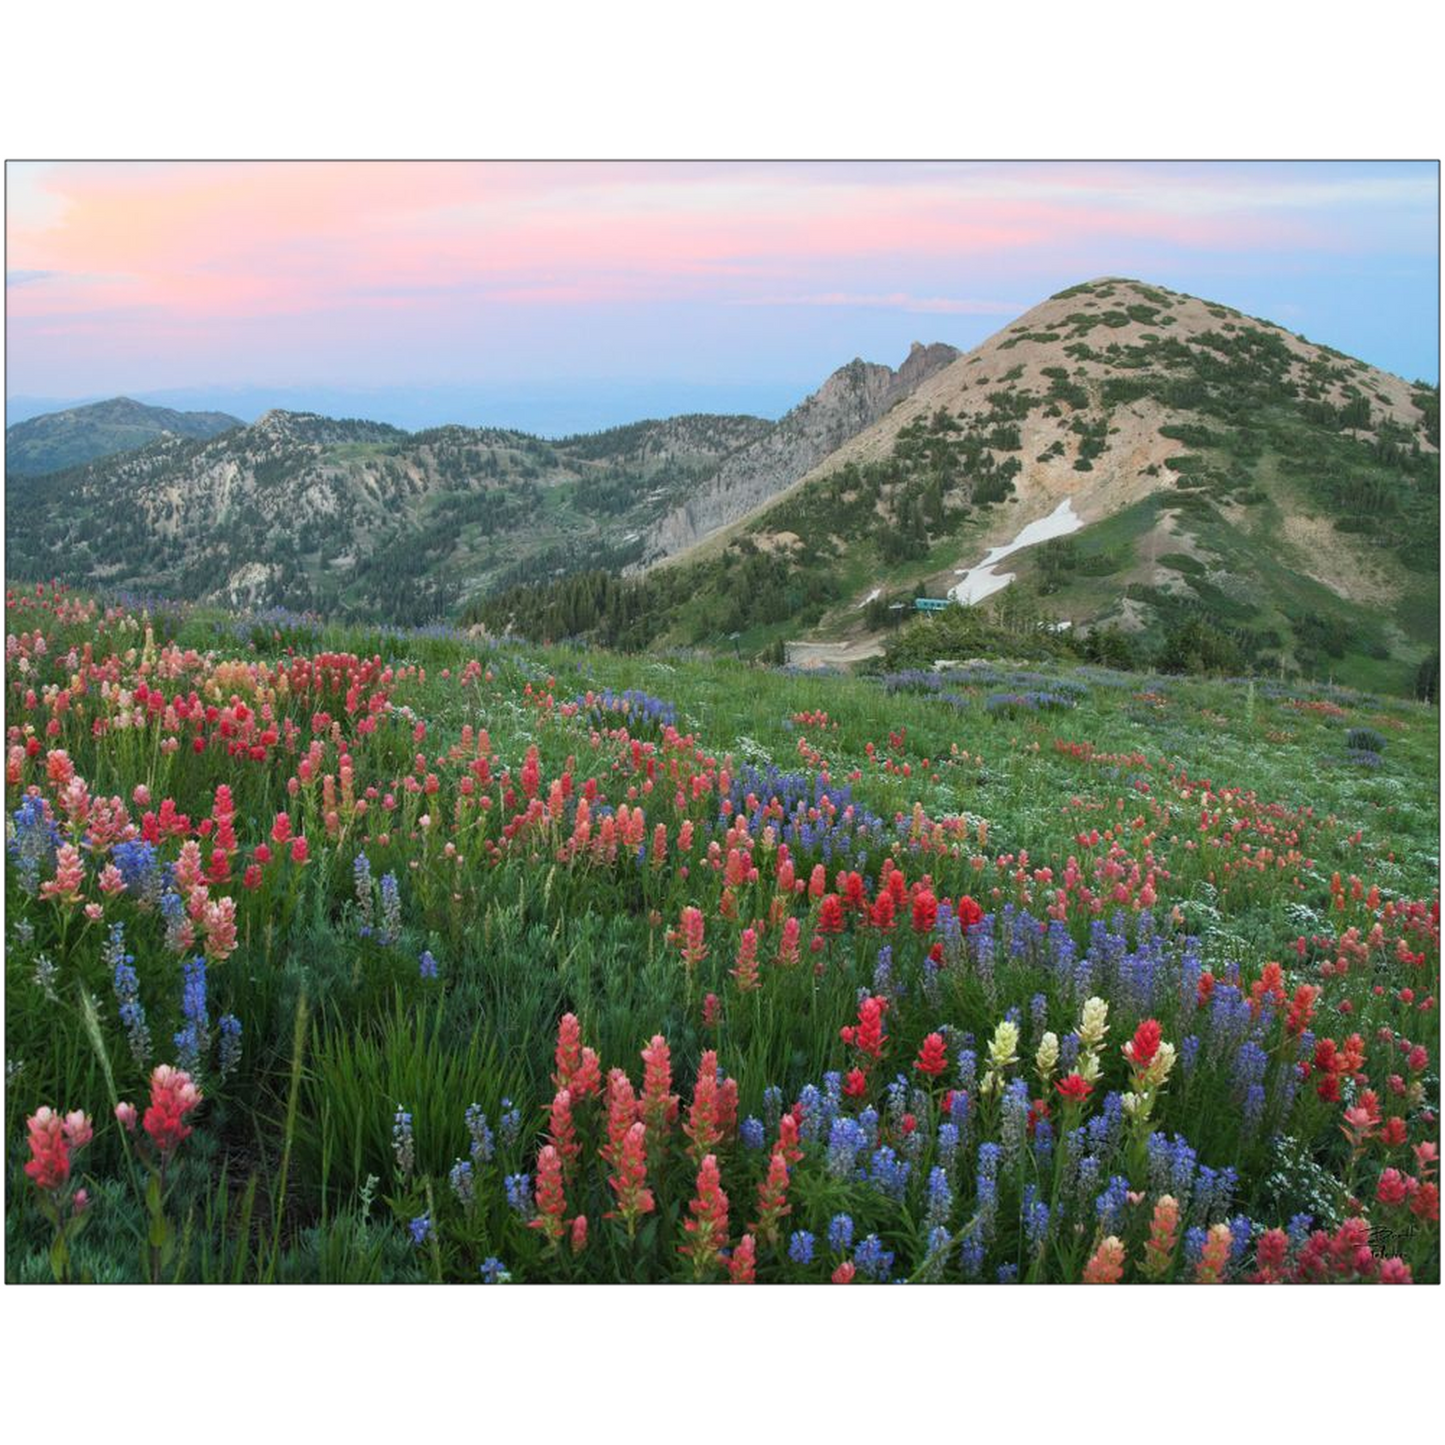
851, 400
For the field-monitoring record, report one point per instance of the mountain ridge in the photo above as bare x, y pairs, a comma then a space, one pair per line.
1219, 469
308, 511
852, 398
73, 436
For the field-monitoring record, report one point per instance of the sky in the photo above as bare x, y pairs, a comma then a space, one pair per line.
568, 296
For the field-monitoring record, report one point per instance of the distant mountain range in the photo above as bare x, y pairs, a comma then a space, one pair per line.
83, 434
1147, 456
363, 518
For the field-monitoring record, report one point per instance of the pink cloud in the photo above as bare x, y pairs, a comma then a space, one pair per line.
227, 240
178, 264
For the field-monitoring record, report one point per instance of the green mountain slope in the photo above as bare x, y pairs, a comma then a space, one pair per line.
82, 434
1216, 469
357, 517
362, 519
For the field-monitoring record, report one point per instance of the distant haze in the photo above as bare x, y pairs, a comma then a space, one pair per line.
562, 297
543, 408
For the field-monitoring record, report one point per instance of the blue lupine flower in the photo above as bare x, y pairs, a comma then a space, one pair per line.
947, 1148
173, 910
949, 929
811, 1101
127, 993
1044, 1145
136, 861
1194, 1246
971, 1251
1299, 1229
1204, 1186
1230, 1020
883, 972
1039, 1011
1112, 1203
938, 1241
403, 1142
519, 1193
1253, 1108
980, 938
462, 1182
1086, 1181
845, 1139
958, 1112
912, 1147
840, 1233
1241, 1231
1008, 1274
230, 1030
1068, 1053
845, 831
987, 1195
752, 1133
897, 1103
772, 1107
872, 1260
889, 1174
1188, 1053
800, 1247
361, 879
1014, 1119
967, 1070
494, 1271
390, 931
420, 1229
1222, 1194
192, 1040
1249, 1064
33, 843
510, 1123
868, 1123
1182, 1170
632, 709
483, 1145
1035, 1219
427, 965
932, 988
940, 1197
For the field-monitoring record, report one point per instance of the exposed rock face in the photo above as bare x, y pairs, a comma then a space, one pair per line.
852, 399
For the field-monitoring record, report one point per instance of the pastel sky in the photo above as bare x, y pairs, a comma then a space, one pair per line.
570, 295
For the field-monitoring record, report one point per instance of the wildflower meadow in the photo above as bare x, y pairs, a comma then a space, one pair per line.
348, 955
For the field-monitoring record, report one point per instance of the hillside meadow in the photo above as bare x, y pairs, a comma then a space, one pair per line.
349, 954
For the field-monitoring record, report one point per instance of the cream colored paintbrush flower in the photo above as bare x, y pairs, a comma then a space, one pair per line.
1047, 1058
1093, 1023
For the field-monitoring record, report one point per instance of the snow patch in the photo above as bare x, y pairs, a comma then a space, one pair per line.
982, 581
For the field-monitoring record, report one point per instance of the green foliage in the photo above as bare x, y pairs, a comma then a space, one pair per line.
1427, 678
1194, 646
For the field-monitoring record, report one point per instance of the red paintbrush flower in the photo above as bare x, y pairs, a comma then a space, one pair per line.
1140, 1050
932, 1056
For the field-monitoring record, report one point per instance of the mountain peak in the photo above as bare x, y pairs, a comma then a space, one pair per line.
58, 440
855, 396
